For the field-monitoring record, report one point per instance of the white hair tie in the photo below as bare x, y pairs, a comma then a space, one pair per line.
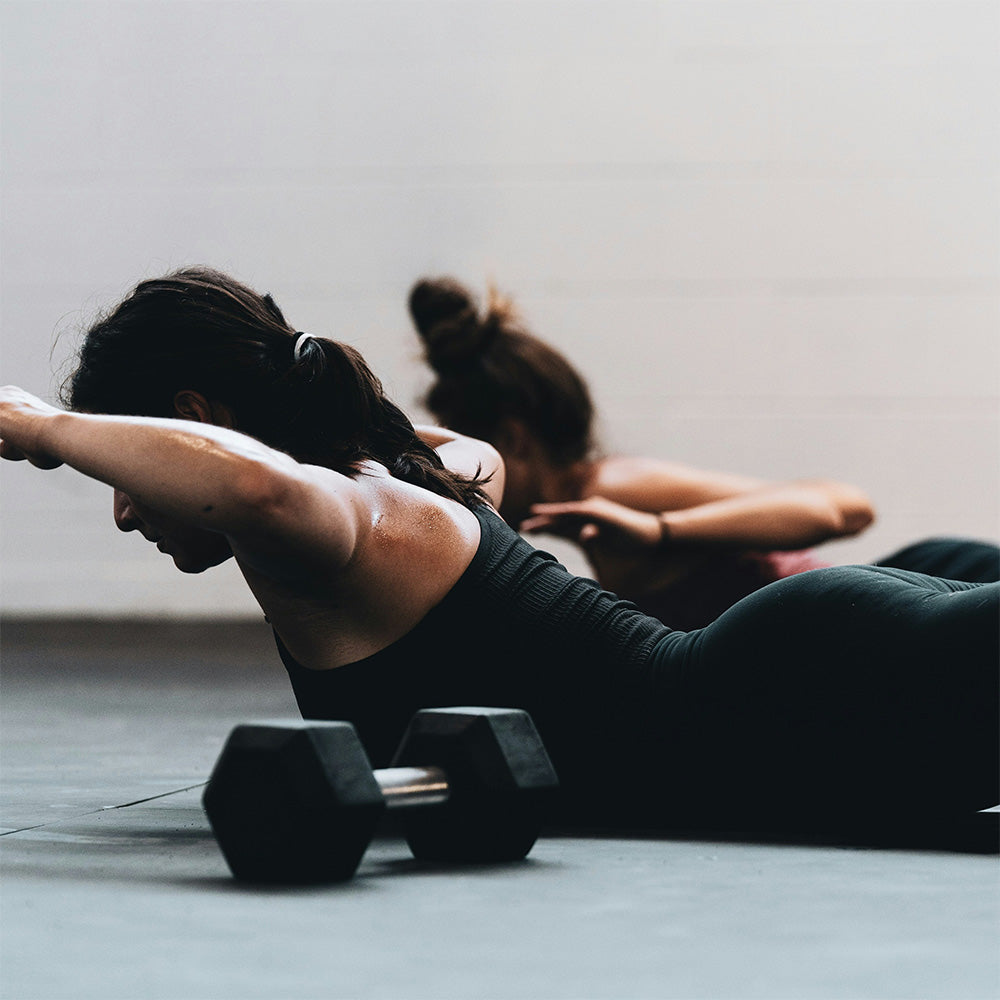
300, 341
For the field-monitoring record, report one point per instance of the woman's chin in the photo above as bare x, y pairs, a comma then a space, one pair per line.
190, 570
192, 566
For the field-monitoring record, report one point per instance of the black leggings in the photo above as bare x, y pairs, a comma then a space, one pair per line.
951, 558
849, 691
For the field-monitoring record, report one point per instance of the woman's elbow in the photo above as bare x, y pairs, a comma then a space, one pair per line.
493, 474
850, 509
480, 459
857, 520
857, 511
492, 462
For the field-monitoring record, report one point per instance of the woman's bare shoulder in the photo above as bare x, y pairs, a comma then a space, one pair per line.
410, 553
410, 519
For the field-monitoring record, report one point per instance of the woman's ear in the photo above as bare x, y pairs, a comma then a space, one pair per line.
192, 405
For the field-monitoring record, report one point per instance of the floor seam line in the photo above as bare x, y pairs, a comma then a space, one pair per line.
94, 812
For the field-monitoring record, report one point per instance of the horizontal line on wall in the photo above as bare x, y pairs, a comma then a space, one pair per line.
493, 174
115, 610
131, 629
329, 66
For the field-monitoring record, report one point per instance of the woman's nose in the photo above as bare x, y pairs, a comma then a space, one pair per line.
125, 516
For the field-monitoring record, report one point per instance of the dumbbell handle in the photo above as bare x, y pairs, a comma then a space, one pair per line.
412, 786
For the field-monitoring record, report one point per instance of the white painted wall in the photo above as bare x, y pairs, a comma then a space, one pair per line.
767, 231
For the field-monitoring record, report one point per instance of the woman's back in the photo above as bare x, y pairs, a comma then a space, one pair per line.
821, 697
516, 630
410, 548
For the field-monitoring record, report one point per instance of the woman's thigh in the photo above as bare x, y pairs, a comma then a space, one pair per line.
848, 689
951, 558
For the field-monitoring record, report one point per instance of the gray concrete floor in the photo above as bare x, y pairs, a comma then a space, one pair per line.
113, 886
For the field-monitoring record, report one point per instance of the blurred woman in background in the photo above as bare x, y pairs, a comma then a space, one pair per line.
683, 543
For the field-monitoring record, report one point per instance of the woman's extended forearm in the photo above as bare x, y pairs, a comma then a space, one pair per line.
201, 473
787, 516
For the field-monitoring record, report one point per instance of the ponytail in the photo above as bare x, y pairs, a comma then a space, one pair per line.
342, 416
313, 398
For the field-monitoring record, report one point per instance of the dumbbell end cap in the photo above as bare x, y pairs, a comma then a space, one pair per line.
293, 801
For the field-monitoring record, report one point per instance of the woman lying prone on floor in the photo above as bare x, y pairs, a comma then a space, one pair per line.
682, 543
374, 549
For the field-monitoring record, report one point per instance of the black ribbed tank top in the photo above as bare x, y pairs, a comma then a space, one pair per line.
517, 630
848, 690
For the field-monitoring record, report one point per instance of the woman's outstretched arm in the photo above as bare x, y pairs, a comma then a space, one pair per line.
656, 501
787, 516
204, 475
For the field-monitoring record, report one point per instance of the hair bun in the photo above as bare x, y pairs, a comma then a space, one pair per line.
447, 319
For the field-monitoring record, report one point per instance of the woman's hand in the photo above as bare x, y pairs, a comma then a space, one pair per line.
585, 521
22, 421
625, 547
630, 548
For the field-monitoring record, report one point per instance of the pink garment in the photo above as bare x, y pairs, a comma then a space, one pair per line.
778, 565
716, 585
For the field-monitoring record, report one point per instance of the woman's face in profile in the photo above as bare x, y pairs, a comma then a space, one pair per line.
193, 549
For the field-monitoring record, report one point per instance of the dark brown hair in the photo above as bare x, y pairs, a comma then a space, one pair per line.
490, 367
199, 329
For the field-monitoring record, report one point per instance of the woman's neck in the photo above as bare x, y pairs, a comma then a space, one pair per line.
568, 482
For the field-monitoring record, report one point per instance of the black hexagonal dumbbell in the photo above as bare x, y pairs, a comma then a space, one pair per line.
299, 802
